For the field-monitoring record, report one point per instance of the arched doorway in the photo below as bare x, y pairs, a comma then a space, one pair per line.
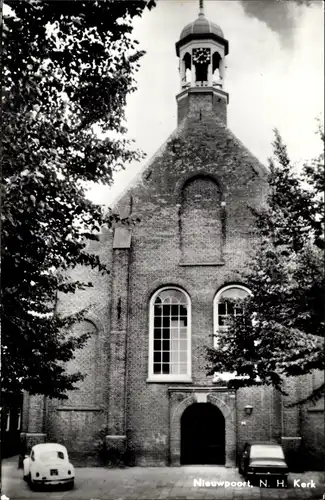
202, 435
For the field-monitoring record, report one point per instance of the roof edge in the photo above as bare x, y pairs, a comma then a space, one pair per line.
133, 182
202, 36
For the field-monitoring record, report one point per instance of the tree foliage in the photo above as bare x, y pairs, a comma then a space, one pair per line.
281, 331
67, 69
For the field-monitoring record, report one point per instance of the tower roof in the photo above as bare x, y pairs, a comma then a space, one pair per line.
201, 26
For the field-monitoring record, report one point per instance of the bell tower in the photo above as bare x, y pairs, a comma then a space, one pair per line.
202, 49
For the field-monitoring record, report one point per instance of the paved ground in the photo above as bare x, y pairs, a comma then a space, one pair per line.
170, 483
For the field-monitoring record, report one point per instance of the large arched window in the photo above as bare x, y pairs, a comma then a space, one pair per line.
227, 304
170, 336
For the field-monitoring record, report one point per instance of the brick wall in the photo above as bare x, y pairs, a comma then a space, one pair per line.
264, 423
194, 104
77, 421
312, 423
200, 221
182, 107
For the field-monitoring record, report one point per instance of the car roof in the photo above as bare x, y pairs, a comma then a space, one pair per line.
49, 446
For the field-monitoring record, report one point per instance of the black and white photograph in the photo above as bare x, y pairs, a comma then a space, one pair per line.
162, 250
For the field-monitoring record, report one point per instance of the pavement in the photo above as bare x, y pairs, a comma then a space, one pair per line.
160, 483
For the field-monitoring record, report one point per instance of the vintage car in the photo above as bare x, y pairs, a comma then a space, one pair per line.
263, 463
48, 464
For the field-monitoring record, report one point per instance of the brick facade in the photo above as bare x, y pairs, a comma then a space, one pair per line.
194, 200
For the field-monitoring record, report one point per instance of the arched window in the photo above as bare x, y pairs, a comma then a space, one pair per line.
186, 70
201, 73
216, 74
228, 303
170, 336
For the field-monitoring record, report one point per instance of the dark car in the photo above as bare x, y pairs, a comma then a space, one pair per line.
263, 463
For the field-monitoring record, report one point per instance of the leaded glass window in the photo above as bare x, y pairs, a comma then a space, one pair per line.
228, 303
170, 334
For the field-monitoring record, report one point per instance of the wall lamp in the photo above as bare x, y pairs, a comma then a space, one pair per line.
248, 409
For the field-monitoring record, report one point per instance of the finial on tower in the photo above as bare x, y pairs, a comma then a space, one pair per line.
201, 12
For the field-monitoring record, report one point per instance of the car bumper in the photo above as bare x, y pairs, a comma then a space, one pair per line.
53, 481
267, 474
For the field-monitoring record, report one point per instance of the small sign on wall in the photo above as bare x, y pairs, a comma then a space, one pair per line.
201, 397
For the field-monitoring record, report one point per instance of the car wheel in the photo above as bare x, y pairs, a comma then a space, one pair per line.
31, 483
71, 485
26, 477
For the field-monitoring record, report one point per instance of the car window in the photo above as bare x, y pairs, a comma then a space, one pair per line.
32, 456
45, 456
266, 451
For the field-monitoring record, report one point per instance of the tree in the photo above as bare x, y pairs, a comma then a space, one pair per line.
67, 69
281, 330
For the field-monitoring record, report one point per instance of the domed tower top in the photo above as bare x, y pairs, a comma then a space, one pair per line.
200, 26
202, 49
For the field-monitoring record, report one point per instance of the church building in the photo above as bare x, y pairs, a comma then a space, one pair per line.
146, 398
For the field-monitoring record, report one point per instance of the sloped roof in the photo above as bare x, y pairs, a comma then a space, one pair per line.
259, 169
146, 167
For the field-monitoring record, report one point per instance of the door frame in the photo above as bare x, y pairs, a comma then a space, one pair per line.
182, 397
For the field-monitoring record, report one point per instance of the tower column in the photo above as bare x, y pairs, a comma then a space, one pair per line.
193, 71
222, 69
182, 72
116, 438
210, 74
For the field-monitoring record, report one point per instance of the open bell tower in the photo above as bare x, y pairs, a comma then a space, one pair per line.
202, 49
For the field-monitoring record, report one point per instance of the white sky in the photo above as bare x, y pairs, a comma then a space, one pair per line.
271, 84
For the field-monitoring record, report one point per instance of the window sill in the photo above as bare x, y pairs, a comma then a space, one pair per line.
79, 408
168, 378
188, 264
